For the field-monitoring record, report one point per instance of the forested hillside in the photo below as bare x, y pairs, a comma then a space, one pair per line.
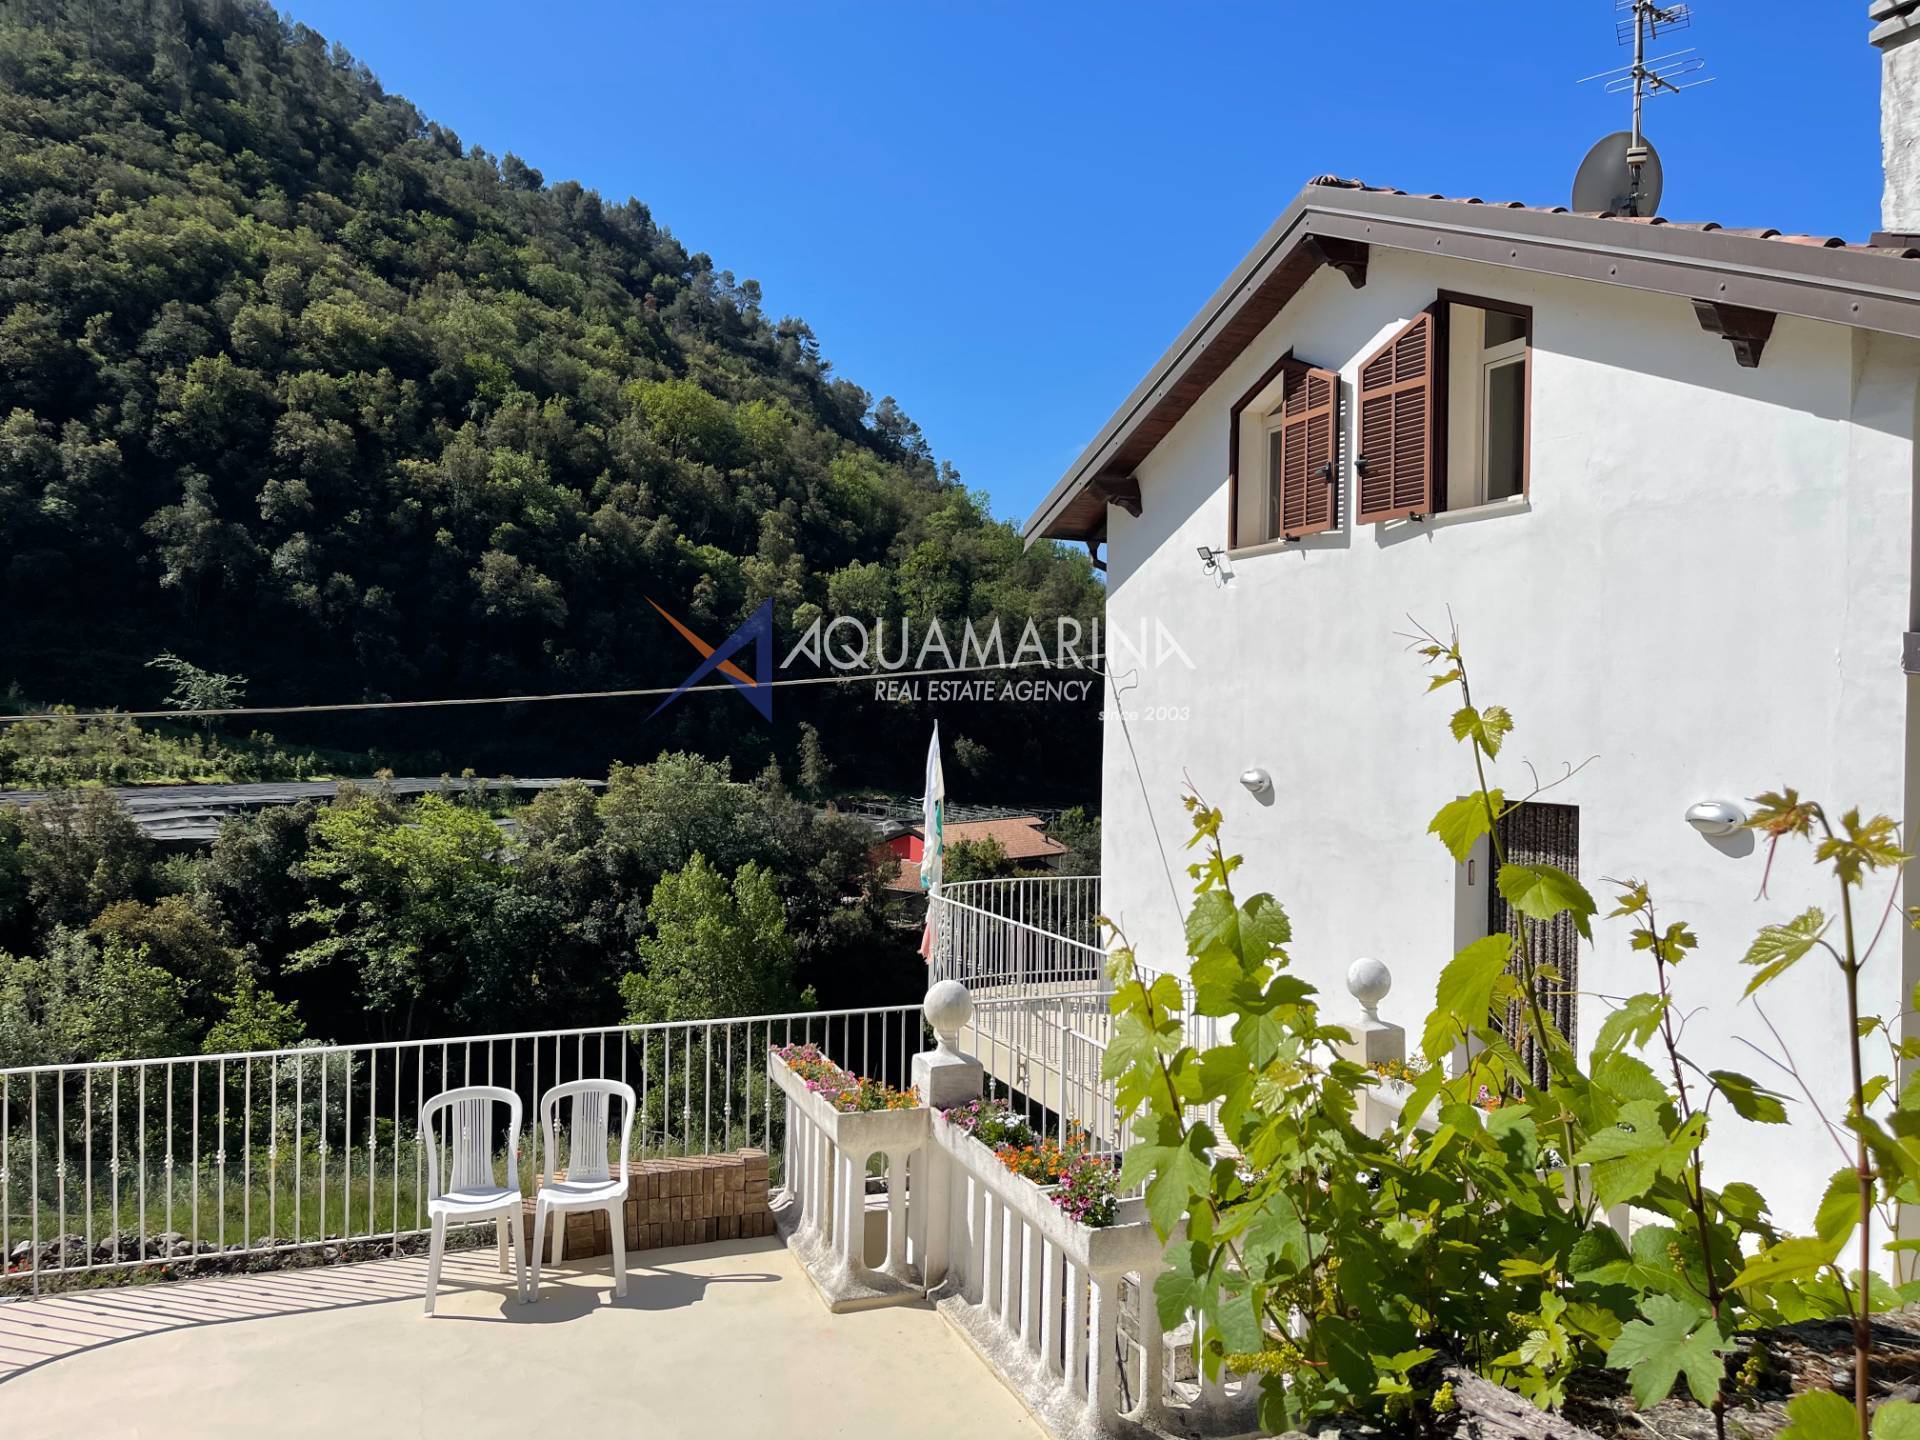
298, 386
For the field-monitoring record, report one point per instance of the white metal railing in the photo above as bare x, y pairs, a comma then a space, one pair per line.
1024, 935
120, 1164
1043, 1054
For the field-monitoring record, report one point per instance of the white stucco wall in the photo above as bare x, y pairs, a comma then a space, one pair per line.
1705, 590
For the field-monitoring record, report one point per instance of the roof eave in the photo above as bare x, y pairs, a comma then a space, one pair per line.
1842, 286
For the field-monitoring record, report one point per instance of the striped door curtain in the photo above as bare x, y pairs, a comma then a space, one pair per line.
1540, 834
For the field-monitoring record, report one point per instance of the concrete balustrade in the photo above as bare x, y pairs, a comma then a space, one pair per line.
1375, 1042
1064, 1313
1041, 1295
828, 1153
1038, 1293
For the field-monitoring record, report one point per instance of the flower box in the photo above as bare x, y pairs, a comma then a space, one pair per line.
858, 1132
1129, 1244
827, 1233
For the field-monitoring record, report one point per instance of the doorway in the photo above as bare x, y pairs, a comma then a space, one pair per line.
1535, 833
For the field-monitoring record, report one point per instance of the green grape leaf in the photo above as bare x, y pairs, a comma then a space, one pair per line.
1743, 1204
1749, 1099
1633, 1023
1648, 1268
1541, 892
1459, 823
1179, 1171
1630, 1156
1463, 1000
1673, 1340
1777, 948
1184, 1286
1820, 1415
1264, 926
1896, 1420
1489, 726
1212, 922
1791, 1259
1839, 1210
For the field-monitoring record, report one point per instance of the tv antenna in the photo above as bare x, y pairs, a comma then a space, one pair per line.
1626, 177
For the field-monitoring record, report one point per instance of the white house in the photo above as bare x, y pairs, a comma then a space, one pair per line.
1663, 477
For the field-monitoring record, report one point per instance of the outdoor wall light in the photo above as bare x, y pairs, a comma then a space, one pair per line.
1716, 817
1210, 558
1257, 781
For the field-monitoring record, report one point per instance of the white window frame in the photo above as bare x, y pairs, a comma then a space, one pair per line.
1470, 403
1498, 357
1270, 459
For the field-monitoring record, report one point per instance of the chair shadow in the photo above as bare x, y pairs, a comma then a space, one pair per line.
649, 1287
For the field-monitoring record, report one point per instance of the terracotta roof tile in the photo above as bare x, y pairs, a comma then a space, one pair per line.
1022, 837
1823, 242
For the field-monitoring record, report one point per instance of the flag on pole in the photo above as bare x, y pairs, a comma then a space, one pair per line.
933, 810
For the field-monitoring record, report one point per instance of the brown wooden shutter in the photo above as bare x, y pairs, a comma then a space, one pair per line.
1395, 462
1308, 481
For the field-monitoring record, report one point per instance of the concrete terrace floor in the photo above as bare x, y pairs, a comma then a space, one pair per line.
715, 1341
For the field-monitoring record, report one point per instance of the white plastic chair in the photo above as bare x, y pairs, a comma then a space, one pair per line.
590, 1184
473, 1195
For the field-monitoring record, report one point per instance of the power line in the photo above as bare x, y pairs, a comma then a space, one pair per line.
342, 707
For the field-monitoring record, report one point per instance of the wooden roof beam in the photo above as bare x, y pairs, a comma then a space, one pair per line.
1121, 490
1745, 329
1349, 257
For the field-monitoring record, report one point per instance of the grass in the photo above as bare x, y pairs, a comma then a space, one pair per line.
256, 1198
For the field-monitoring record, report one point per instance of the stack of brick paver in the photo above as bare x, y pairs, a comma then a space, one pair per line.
684, 1200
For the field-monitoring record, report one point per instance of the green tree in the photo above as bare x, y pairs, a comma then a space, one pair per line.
406, 904
81, 852
815, 768
132, 1007
713, 949
1080, 833
196, 689
76, 1001
333, 401
254, 877
254, 1019
177, 935
984, 859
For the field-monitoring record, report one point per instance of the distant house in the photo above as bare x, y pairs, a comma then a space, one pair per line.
1026, 844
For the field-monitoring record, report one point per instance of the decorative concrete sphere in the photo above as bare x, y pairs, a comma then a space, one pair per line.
1368, 981
948, 1007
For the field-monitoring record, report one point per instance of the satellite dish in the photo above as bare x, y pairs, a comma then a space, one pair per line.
1605, 181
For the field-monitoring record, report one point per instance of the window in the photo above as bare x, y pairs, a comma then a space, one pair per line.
1284, 477
1486, 405
1443, 411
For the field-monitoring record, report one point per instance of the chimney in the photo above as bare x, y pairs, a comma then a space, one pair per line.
1896, 33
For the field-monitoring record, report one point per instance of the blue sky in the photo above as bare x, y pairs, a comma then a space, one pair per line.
1002, 213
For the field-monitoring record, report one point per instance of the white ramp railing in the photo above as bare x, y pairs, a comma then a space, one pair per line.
1025, 935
